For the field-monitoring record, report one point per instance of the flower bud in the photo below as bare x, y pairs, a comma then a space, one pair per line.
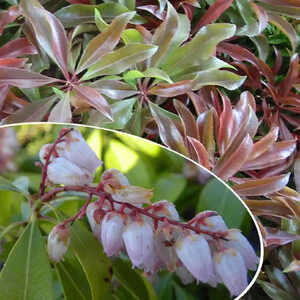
111, 233
114, 179
44, 152
94, 219
238, 242
165, 208
58, 242
230, 266
138, 239
133, 195
62, 171
194, 252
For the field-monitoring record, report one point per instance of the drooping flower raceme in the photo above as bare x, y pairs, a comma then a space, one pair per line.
123, 219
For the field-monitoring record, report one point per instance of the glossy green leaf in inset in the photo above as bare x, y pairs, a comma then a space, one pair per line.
137, 285
94, 262
118, 61
216, 196
73, 280
169, 186
27, 274
104, 42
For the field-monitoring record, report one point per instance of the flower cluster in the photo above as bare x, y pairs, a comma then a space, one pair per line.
124, 220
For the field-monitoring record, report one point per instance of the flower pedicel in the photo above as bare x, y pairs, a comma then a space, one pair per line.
124, 220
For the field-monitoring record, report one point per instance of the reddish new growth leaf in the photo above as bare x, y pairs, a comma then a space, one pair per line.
213, 13
280, 103
8, 16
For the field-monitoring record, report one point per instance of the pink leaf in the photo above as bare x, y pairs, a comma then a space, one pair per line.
49, 32
17, 48
233, 159
94, 99
23, 78
263, 186
213, 13
13, 62
201, 152
8, 16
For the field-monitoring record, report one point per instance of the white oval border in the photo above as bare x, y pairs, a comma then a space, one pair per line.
261, 259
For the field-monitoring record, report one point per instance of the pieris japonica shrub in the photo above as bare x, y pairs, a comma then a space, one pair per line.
125, 225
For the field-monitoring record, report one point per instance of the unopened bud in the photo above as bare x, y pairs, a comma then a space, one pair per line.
58, 242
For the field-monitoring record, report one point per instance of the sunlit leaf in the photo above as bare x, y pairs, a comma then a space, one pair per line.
27, 273
49, 32
104, 42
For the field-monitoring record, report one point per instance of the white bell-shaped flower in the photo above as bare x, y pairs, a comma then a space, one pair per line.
230, 266
239, 242
76, 150
62, 171
164, 243
213, 223
111, 233
58, 243
194, 252
138, 240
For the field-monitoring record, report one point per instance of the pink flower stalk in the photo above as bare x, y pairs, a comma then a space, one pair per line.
111, 233
194, 252
231, 268
138, 240
58, 243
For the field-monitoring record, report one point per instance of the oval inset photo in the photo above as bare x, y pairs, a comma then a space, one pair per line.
93, 214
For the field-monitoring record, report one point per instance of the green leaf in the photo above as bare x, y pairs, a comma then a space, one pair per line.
126, 160
27, 274
104, 42
61, 112
138, 286
217, 196
121, 111
274, 292
94, 262
158, 74
101, 24
131, 35
200, 48
169, 186
226, 79
118, 61
6, 185
164, 35
73, 280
